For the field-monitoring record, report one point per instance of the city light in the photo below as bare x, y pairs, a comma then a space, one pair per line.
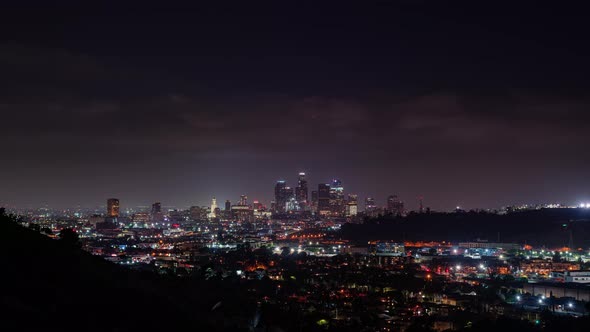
288, 168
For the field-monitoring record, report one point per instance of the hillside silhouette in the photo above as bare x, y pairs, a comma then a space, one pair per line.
550, 227
53, 285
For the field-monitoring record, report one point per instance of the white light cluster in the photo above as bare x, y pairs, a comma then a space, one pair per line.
585, 205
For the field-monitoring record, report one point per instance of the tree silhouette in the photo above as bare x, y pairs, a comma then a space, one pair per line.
69, 236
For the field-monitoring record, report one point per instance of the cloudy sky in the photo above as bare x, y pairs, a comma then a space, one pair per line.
465, 105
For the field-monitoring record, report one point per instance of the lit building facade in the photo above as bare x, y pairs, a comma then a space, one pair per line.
351, 205
112, 208
301, 192
337, 203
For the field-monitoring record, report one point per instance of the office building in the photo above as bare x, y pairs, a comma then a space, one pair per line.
112, 208
213, 209
395, 206
323, 199
351, 205
301, 192
280, 198
314, 201
337, 203
243, 200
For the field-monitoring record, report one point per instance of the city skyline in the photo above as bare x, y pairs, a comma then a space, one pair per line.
416, 203
387, 166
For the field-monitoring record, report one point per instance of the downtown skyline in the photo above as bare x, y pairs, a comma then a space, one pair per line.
412, 203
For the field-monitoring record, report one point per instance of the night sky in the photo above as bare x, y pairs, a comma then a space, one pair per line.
471, 105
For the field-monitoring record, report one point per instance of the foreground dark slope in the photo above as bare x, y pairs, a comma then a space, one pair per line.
51, 285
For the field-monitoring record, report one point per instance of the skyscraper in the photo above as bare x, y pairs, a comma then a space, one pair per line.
213, 212
324, 199
337, 203
370, 204
113, 208
243, 200
156, 208
351, 205
280, 198
395, 206
314, 201
301, 192
227, 205
371, 207
290, 201
157, 215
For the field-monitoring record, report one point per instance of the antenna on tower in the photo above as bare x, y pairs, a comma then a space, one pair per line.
421, 208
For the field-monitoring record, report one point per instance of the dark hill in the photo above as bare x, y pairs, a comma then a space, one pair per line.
52, 285
549, 227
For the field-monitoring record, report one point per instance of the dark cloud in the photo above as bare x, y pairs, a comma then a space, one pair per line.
459, 108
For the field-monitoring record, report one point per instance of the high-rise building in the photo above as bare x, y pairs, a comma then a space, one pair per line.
301, 192
371, 209
157, 215
214, 208
337, 203
156, 208
351, 205
370, 204
280, 199
314, 201
243, 200
227, 205
112, 208
290, 201
324, 199
395, 206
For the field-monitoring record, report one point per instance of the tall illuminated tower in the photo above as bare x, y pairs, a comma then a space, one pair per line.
213, 214
112, 208
280, 196
301, 192
337, 202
